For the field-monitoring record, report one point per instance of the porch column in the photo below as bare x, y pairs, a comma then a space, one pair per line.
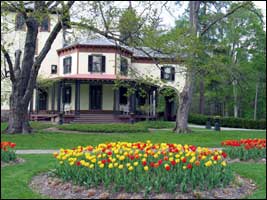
59, 96
53, 98
37, 100
116, 103
63, 96
77, 97
133, 103
154, 103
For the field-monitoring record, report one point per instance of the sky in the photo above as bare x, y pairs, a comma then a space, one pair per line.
169, 18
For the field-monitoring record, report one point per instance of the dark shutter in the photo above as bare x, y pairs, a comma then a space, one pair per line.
173, 73
64, 66
90, 63
103, 67
162, 72
70, 64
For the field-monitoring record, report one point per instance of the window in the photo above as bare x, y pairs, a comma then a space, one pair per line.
45, 24
53, 69
20, 22
124, 66
96, 63
167, 73
123, 97
67, 94
67, 65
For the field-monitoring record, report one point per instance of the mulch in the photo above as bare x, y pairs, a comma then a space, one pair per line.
56, 188
15, 162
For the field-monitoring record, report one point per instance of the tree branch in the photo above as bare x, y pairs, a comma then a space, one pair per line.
47, 46
224, 16
9, 62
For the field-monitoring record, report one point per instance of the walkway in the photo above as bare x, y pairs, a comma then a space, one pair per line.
51, 151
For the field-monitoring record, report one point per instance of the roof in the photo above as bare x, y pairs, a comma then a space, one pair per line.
94, 77
137, 52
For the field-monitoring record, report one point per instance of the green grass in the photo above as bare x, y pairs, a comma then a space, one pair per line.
256, 172
34, 125
48, 140
14, 180
105, 128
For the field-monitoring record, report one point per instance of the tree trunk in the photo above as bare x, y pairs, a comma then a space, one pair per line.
256, 101
18, 117
201, 97
185, 97
235, 99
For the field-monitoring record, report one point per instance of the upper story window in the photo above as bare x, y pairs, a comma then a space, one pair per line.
67, 94
96, 63
124, 66
20, 22
53, 69
167, 73
45, 24
67, 65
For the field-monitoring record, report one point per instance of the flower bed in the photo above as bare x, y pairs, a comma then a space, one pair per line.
140, 166
245, 149
7, 154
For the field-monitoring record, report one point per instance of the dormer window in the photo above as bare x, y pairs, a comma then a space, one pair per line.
124, 67
20, 22
67, 65
168, 73
45, 24
96, 63
53, 69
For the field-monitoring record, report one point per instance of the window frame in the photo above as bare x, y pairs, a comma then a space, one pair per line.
171, 74
53, 72
123, 69
102, 63
23, 27
48, 23
67, 66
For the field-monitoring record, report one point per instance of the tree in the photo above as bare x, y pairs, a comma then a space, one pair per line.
23, 73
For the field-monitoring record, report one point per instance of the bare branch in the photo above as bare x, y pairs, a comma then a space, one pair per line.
224, 16
9, 62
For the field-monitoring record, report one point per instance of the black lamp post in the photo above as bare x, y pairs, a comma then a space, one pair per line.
217, 126
208, 124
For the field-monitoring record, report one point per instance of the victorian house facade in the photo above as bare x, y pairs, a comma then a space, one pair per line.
83, 76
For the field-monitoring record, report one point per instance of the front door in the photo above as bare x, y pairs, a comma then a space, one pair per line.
95, 97
42, 100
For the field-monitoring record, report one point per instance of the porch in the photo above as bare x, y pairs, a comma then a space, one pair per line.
90, 101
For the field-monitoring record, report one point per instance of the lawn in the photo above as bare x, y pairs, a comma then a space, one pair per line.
47, 140
13, 187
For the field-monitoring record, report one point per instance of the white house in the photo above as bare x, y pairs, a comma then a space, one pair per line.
84, 74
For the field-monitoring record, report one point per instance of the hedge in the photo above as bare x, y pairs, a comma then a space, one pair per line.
228, 121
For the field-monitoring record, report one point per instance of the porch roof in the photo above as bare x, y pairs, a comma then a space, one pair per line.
94, 77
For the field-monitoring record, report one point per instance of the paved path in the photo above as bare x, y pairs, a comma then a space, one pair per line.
51, 151
226, 128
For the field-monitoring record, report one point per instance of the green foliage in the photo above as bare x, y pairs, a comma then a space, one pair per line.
228, 121
244, 154
8, 155
157, 124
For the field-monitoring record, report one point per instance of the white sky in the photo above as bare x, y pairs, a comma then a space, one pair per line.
169, 18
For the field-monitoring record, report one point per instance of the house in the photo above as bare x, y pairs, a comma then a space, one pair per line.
83, 76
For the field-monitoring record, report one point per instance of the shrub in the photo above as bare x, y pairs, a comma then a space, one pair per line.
106, 128
245, 149
228, 121
7, 155
157, 124
144, 166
